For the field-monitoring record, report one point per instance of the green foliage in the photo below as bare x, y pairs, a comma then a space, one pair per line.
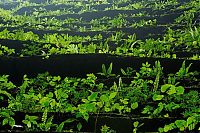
106, 129
184, 71
6, 51
46, 122
30, 121
7, 114
82, 97
172, 89
61, 126
107, 72
128, 72
157, 97
182, 125
136, 126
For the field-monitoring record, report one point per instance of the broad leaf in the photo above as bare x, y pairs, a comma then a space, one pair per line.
135, 124
165, 87
172, 90
180, 90
60, 127
104, 98
5, 121
134, 105
180, 123
79, 126
157, 97
11, 122
112, 95
93, 96
190, 120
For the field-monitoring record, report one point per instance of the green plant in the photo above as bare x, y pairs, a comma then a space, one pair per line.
172, 89
136, 126
157, 69
5, 87
128, 72
61, 126
106, 129
184, 71
182, 125
106, 72
187, 18
7, 114
31, 122
145, 70
6, 51
46, 122
118, 22
172, 80
104, 47
83, 97
117, 36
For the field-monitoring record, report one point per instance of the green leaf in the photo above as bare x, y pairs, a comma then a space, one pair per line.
70, 120
60, 127
182, 128
44, 101
86, 116
1, 97
100, 104
90, 107
165, 87
109, 69
134, 105
49, 120
116, 105
6, 93
135, 124
104, 98
159, 109
79, 126
191, 126
64, 95
29, 124
5, 121
11, 122
180, 90
167, 128
172, 90
25, 121
93, 96
33, 118
85, 100
166, 115
125, 101
190, 120
161, 130
112, 95
187, 69
157, 97
123, 72
50, 94
104, 69
4, 114
180, 123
